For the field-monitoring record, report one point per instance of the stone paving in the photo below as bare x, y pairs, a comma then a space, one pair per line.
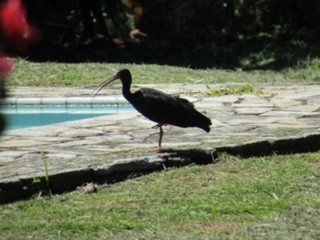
273, 112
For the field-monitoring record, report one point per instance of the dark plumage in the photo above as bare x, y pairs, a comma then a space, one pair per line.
160, 107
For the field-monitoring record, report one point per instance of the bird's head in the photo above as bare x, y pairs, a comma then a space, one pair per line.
123, 75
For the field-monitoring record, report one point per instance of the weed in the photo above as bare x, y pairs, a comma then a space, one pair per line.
43, 183
229, 90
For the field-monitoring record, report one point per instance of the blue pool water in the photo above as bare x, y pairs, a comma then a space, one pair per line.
25, 116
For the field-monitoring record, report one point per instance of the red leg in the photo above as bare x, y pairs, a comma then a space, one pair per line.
159, 125
160, 138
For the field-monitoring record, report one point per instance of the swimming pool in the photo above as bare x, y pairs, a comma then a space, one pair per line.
32, 112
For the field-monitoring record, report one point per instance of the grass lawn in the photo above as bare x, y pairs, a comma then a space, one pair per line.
90, 74
275, 197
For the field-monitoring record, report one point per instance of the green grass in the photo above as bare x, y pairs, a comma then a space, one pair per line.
90, 74
270, 197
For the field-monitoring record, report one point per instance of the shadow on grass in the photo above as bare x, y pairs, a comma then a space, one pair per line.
182, 157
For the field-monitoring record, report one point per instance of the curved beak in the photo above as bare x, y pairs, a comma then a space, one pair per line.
105, 83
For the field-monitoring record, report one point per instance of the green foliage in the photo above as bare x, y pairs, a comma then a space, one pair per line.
194, 21
267, 34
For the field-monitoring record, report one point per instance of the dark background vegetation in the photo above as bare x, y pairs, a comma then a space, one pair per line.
248, 34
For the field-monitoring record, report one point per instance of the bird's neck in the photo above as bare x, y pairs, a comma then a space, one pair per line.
126, 90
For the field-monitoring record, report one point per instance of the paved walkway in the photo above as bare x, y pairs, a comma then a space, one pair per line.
273, 112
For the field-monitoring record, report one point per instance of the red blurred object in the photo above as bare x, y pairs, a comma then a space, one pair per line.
18, 31
6, 66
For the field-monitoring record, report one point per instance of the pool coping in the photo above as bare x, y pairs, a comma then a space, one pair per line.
67, 103
116, 99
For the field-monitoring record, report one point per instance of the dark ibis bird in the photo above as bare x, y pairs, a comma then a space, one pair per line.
159, 107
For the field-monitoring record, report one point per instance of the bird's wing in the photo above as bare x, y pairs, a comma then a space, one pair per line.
167, 109
159, 106
185, 101
156, 97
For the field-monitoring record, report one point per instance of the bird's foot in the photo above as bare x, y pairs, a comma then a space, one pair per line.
159, 150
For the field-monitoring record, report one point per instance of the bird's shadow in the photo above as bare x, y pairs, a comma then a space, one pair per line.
188, 156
